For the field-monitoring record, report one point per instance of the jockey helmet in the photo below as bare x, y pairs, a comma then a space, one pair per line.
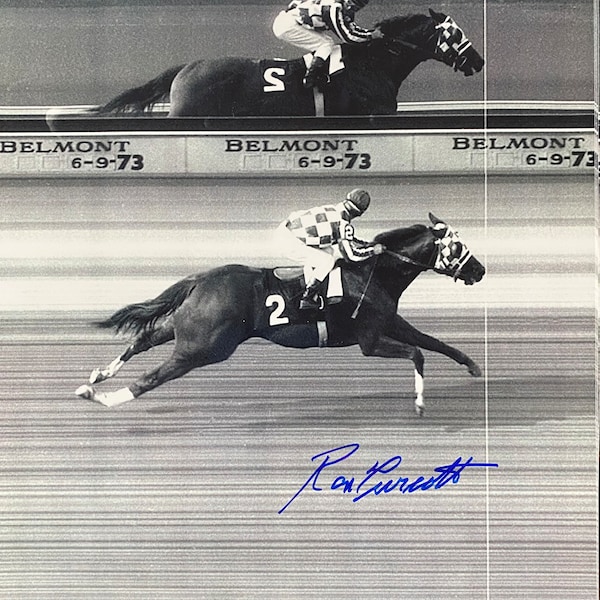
357, 201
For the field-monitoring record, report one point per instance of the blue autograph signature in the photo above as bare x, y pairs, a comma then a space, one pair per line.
371, 485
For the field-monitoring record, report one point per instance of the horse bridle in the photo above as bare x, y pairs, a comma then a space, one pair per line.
439, 244
441, 31
452, 271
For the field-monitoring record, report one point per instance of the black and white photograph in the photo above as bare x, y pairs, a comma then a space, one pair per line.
299, 300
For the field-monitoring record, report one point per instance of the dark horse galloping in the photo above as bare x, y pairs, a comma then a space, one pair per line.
210, 314
367, 84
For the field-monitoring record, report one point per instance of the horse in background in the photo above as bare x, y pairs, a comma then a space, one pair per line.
364, 78
210, 314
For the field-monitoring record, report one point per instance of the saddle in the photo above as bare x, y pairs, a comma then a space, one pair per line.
332, 286
278, 316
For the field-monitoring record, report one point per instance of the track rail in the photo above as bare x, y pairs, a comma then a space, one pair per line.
430, 115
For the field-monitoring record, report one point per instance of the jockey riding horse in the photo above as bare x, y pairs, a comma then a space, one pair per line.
308, 24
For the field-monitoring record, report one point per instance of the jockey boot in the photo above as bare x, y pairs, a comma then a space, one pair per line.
316, 76
311, 299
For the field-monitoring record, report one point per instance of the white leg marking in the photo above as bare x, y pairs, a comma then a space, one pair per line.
109, 399
99, 375
419, 388
85, 391
115, 398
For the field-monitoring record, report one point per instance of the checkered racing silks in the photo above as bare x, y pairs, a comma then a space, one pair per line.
452, 253
320, 227
329, 15
324, 230
452, 41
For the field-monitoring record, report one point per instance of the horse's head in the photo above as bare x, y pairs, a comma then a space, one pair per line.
453, 47
437, 36
438, 248
453, 257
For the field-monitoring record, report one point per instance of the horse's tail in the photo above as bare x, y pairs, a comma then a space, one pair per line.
140, 99
142, 316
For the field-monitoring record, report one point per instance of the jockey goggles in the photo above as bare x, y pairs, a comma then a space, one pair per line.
352, 208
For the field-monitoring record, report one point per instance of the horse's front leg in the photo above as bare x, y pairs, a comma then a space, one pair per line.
386, 347
409, 334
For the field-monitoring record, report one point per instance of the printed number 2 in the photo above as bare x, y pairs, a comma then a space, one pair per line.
272, 83
275, 318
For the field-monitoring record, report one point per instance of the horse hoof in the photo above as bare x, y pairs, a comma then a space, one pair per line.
419, 406
474, 370
96, 376
85, 391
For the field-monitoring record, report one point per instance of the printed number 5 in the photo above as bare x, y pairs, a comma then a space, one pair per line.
275, 318
272, 83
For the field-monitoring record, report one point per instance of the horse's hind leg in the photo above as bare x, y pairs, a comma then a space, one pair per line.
187, 355
206, 345
172, 368
163, 334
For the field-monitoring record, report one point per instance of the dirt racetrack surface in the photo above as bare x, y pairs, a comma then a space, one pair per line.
176, 495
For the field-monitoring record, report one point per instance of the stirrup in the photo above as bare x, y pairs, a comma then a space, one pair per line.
316, 75
315, 80
312, 303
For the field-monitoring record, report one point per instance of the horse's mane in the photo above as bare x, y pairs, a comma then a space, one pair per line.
405, 24
399, 237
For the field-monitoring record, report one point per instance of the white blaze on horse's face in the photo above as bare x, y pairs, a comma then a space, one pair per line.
452, 252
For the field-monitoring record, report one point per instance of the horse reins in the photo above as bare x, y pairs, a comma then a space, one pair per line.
428, 53
400, 257
454, 273
411, 46
364, 293
408, 260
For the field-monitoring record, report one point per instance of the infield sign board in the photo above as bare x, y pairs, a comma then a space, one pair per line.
288, 154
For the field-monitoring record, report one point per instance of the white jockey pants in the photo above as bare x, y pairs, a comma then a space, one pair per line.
286, 28
321, 260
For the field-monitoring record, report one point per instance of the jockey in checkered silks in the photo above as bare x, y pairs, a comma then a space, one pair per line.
317, 237
308, 24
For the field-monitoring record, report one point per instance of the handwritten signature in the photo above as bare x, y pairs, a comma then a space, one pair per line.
371, 484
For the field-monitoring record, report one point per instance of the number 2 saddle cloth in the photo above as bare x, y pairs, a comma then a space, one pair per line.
279, 318
284, 78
